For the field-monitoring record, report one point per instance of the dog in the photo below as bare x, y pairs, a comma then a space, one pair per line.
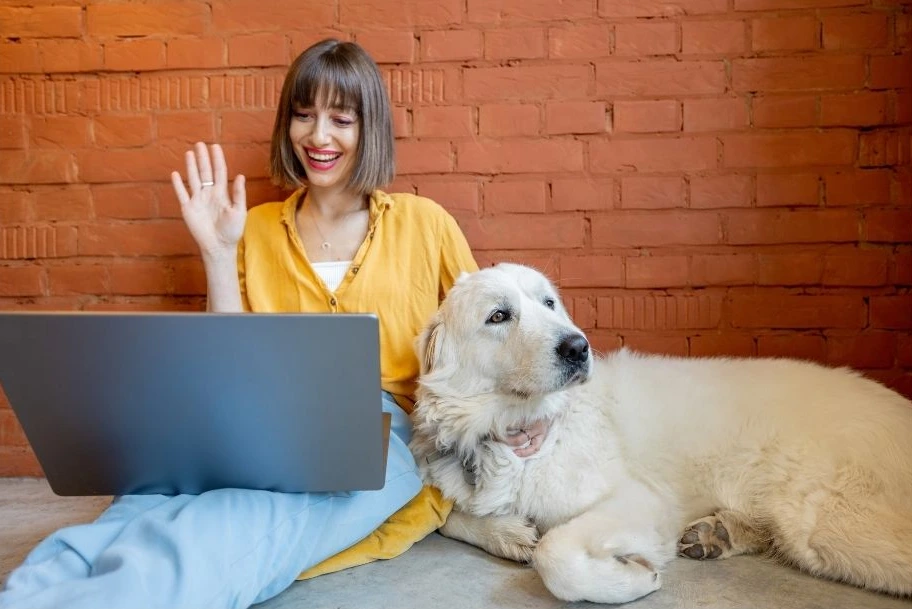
649, 456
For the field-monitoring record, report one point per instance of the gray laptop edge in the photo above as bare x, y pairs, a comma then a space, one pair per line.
174, 403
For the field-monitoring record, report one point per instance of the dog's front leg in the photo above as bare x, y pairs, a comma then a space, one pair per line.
506, 536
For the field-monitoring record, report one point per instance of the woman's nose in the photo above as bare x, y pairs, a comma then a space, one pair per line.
320, 132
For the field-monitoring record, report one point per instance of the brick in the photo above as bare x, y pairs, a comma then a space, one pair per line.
195, 53
659, 345
659, 312
713, 192
526, 82
158, 19
779, 190
37, 241
72, 279
186, 127
853, 110
582, 311
764, 226
515, 43
722, 344
423, 157
522, 231
18, 461
890, 71
37, 167
652, 193
579, 194
857, 188
515, 196
405, 13
139, 277
15, 207
21, 281
901, 267
644, 39
264, 49
271, 15
70, 203
891, 312
11, 433
903, 349
134, 55
461, 195
12, 132
772, 5
247, 126
857, 31
124, 202
504, 120
655, 229
798, 73
519, 156
62, 55
660, 8
41, 22
862, 351
902, 108
588, 41
444, 121
833, 147
883, 148
396, 46
249, 159
496, 11
713, 37
122, 131
656, 271
188, 277
575, 117
856, 268
796, 268
60, 131
591, 271
452, 45
660, 77
727, 269
797, 311
149, 163
647, 116
785, 111
19, 58
156, 238
888, 225
784, 34
653, 155
725, 114
810, 347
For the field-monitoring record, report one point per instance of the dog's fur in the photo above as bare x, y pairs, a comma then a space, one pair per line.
649, 455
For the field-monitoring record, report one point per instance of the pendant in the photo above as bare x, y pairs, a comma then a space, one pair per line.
325, 246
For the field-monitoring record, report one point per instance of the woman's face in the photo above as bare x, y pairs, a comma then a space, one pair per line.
325, 141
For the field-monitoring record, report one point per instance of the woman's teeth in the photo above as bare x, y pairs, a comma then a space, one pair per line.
324, 157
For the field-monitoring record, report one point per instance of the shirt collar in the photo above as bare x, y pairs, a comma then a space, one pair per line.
379, 202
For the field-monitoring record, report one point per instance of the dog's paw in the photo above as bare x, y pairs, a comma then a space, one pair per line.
705, 539
513, 538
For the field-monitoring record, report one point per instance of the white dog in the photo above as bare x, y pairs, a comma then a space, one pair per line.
650, 455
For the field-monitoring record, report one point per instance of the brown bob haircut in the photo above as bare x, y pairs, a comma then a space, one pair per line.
341, 75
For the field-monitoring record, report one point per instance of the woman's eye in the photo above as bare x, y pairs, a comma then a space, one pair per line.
302, 115
549, 302
343, 122
498, 317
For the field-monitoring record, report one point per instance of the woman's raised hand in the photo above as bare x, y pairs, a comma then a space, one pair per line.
215, 218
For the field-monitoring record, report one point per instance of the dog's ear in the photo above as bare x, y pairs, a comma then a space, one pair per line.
430, 344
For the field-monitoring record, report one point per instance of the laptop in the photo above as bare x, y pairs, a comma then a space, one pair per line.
144, 403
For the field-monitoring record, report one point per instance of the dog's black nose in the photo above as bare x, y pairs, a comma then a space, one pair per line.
574, 348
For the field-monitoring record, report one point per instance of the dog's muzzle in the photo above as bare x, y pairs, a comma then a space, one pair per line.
574, 349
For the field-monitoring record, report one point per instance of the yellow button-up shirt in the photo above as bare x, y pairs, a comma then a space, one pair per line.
412, 255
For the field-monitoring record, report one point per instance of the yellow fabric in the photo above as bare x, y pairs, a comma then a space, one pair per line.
410, 259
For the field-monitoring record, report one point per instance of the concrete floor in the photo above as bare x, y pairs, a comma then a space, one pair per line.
440, 572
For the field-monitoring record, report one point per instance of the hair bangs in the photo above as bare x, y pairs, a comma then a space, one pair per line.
329, 82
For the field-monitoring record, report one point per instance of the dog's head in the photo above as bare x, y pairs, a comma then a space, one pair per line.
504, 330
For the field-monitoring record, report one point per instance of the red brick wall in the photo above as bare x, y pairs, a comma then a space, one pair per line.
700, 176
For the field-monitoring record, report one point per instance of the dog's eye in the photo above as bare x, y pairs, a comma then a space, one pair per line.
498, 317
549, 302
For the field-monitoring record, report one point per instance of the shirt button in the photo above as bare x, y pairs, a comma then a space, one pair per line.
355, 270
332, 301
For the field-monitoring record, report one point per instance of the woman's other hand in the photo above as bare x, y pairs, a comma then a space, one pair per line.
215, 218
527, 441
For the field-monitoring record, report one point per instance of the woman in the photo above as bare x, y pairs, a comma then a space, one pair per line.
338, 244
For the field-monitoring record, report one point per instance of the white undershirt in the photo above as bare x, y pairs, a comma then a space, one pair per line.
332, 273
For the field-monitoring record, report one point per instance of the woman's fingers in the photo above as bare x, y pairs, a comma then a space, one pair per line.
219, 167
205, 165
193, 176
179, 189
240, 192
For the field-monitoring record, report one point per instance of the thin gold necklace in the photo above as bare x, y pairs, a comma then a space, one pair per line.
326, 245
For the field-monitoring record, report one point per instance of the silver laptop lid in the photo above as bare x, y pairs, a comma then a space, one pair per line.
182, 403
